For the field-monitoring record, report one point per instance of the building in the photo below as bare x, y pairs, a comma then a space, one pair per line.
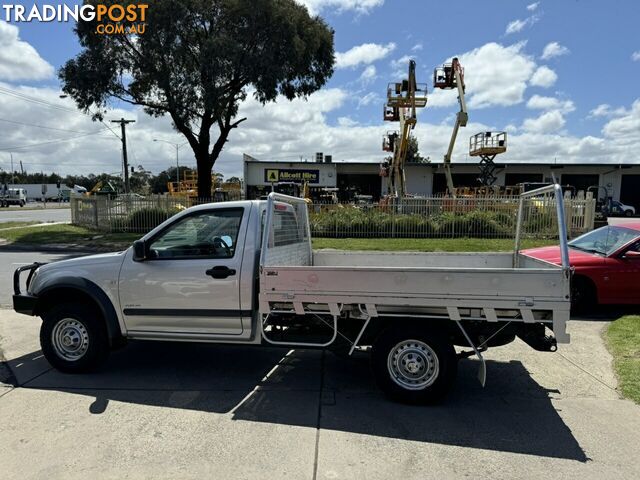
621, 182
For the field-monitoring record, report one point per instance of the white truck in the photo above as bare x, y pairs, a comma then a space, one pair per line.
13, 196
245, 273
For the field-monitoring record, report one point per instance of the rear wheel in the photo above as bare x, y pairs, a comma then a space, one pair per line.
413, 365
74, 338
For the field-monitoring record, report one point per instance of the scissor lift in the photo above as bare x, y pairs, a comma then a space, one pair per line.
487, 145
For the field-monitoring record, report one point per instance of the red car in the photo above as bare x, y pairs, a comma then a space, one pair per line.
606, 263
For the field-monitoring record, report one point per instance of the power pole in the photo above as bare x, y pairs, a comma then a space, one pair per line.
125, 159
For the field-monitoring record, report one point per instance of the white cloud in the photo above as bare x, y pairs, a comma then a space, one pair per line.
625, 129
547, 122
400, 66
368, 75
368, 99
417, 47
18, 59
606, 110
538, 102
359, 6
518, 24
635, 56
532, 6
486, 86
363, 54
553, 49
347, 122
543, 77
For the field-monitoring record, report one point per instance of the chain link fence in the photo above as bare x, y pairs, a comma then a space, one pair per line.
433, 217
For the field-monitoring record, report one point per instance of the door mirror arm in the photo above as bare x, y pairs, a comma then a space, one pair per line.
140, 253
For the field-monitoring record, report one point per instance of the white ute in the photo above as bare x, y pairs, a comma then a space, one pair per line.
245, 273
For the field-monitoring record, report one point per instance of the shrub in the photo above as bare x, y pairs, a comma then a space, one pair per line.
143, 220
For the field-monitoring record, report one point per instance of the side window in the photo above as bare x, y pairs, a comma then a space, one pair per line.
209, 234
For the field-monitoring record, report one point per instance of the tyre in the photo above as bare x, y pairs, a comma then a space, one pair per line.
583, 295
21, 203
628, 213
74, 338
414, 366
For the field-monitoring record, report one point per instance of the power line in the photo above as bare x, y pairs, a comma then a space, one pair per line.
44, 103
41, 126
60, 140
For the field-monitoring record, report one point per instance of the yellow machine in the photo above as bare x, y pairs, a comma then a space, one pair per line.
188, 187
447, 77
402, 101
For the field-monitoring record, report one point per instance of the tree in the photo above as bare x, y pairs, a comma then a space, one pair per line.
413, 154
197, 61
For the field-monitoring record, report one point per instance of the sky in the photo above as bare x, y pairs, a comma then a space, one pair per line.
561, 77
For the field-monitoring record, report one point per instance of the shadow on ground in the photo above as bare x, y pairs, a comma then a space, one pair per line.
318, 390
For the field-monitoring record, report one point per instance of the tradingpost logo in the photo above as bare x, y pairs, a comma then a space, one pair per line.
110, 17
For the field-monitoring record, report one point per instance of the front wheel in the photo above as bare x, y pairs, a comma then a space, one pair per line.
74, 338
414, 366
628, 213
583, 295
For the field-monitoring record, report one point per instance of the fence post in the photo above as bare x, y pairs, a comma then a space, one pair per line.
94, 201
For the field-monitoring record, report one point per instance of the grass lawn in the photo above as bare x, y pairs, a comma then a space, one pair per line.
67, 234
623, 340
4, 225
71, 234
428, 244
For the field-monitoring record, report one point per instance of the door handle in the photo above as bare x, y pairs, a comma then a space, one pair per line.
220, 272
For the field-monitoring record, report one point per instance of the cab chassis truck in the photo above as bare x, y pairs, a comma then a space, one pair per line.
245, 273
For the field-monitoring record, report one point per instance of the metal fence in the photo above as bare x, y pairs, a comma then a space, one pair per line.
445, 217
125, 213
434, 217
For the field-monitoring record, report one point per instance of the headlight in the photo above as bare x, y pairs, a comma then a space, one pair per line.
32, 280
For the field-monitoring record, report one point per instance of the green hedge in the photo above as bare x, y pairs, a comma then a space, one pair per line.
142, 220
351, 222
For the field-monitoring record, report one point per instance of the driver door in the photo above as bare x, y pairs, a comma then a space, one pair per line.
190, 281
623, 276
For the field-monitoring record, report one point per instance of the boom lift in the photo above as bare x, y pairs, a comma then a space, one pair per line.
447, 77
402, 100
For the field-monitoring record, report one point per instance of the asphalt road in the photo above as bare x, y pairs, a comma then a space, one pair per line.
17, 214
164, 410
12, 260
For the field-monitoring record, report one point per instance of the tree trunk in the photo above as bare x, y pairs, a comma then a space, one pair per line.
204, 175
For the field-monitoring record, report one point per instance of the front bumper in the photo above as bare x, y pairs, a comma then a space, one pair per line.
24, 303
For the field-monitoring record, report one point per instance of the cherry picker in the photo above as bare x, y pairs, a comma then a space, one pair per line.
447, 77
403, 99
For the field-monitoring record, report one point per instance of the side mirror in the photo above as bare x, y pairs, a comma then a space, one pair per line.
631, 255
139, 251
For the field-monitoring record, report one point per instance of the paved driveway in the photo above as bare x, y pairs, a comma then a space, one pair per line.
161, 410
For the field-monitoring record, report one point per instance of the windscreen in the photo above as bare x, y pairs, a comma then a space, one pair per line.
605, 240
